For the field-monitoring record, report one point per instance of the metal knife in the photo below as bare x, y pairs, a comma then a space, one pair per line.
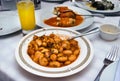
5, 10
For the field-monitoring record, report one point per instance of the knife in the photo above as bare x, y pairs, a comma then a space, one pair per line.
117, 74
113, 14
5, 10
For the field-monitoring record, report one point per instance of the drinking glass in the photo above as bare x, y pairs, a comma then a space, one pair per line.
26, 12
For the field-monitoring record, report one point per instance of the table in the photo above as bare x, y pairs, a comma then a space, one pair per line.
9, 66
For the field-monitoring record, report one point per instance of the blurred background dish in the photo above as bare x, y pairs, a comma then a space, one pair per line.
47, 13
86, 5
85, 57
9, 23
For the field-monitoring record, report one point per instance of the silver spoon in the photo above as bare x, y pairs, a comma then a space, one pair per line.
94, 15
94, 30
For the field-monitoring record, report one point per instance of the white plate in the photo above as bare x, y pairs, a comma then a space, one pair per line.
9, 22
84, 6
81, 62
48, 13
109, 72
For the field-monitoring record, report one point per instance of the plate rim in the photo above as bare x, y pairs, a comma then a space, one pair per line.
17, 29
26, 67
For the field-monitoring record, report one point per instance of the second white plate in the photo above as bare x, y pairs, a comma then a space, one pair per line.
48, 13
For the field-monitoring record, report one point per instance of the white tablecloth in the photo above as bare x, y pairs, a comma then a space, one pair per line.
9, 65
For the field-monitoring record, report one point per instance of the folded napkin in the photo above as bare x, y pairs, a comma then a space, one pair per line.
117, 75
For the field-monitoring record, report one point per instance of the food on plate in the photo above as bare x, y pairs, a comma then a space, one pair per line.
64, 12
53, 51
65, 17
102, 5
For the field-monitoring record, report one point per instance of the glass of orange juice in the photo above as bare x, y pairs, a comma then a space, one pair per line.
26, 12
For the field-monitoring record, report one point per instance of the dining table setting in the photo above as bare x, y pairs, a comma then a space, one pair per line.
65, 40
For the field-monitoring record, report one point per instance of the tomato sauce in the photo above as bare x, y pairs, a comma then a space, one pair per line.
53, 21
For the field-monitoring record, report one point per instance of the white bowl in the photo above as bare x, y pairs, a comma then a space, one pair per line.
109, 32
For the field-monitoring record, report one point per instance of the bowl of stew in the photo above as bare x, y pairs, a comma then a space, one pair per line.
48, 53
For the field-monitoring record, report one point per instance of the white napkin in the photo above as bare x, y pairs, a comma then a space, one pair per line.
117, 75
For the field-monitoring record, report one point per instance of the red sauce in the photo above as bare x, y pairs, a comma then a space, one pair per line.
53, 21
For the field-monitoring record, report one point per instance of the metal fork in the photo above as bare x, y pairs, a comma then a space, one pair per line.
111, 57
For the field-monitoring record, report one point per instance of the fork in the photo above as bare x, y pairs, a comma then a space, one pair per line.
110, 58
94, 30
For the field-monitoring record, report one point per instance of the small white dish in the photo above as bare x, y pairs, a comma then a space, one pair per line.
109, 32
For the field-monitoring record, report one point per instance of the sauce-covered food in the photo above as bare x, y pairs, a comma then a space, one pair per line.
65, 17
52, 51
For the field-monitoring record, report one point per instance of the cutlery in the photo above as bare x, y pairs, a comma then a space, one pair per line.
119, 23
0, 28
81, 0
5, 10
94, 30
72, 0
93, 15
113, 14
110, 58
91, 29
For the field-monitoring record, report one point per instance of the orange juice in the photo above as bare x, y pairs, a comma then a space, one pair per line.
26, 14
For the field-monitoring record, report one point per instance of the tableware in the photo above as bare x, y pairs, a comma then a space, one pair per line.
94, 15
110, 58
26, 14
72, 0
119, 23
37, 4
109, 72
48, 13
54, 0
8, 26
4, 10
84, 6
79, 64
109, 32
94, 30
117, 74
